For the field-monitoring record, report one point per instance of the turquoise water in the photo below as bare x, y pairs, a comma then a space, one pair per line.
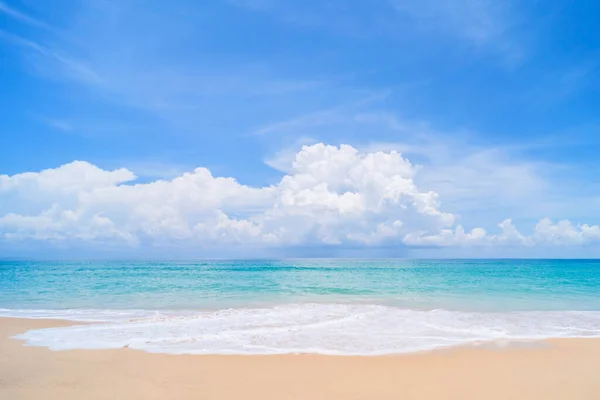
323, 306
421, 284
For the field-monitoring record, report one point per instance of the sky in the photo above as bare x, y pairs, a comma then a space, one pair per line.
275, 128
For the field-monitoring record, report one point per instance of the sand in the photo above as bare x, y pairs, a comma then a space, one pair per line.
558, 369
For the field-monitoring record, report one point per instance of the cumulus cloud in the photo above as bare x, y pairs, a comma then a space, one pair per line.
565, 233
330, 196
448, 237
562, 233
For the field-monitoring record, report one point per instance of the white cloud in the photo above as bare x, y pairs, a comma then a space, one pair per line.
546, 233
509, 235
70, 178
565, 233
331, 195
338, 195
448, 237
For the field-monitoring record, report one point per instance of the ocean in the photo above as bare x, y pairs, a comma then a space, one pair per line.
330, 306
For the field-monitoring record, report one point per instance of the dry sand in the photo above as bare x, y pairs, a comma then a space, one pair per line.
562, 369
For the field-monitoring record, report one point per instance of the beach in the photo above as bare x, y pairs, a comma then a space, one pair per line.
552, 369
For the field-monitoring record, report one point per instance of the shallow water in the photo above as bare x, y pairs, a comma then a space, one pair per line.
317, 306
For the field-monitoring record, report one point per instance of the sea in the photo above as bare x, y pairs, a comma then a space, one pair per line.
323, 306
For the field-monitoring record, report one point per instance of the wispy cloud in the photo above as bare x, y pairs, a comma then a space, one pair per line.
562, 84
480, 21
151, 77
20, 41
355, 19
60, 66
20, 16
59, 124
483, 23
322, 117
486, 23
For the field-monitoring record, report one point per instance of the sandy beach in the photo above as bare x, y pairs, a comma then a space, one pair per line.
555, 369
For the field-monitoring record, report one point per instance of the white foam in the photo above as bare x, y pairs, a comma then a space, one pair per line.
341, 329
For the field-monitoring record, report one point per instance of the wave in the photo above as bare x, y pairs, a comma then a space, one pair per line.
334, 329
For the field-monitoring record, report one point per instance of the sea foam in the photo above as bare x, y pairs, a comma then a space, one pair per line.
336, 329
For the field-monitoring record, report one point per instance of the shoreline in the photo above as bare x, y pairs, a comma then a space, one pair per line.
331, 329
560, 369
484, 345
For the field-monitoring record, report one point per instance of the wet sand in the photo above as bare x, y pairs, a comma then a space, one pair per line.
557, 369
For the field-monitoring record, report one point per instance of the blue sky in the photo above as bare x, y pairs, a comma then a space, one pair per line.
494, 103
